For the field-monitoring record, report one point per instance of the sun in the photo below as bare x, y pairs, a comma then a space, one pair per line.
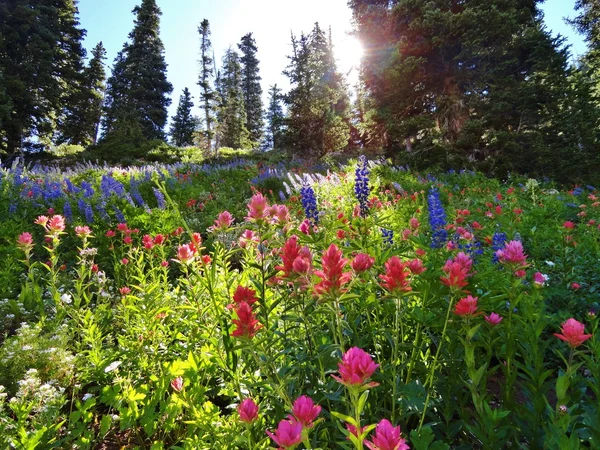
348, 53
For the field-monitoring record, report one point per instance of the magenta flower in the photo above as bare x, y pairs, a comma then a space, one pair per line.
356, 368
287, 435
56, 224
248, 411
512, 254
573, 333
25, 240
387, 437
185, 254
493, 319
305, 411
539, 279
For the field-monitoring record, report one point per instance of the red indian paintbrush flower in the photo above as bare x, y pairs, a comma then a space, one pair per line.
356, 368
457, 271
223, 221
396, 276
246, 323
362, 262
305, 411
466, 306
287, 435
56, 224
83, 231
248, 411
416, 266
387, 437
244, 294
185, 254
573, 333
333, 277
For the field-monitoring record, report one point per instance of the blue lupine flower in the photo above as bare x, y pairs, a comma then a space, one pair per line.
101, 208
388, 236
68, 212
498, 241
577, 191
109, 186
12, 208
361, 185
282, 196
86, 211
309, 203
160, 198
119, 214
591, 188
437, 219
88, 190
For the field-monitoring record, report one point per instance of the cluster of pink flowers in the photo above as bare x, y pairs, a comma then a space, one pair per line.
54, 225
333, 277
457, 271
246, 323
513, 256
260, 211
297, 262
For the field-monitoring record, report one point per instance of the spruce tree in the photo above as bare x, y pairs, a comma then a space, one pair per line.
275, 119
83, 108
137, 92
208, 96
251, 87
41, 59
232, 113
317, 120
459, 82
184, 124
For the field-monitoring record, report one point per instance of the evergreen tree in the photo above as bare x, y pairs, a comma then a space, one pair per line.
184, 124
137, 91
251, 87
232, 113
84, 106
275, 119
458, 82
41, 59
317, 121
208, 97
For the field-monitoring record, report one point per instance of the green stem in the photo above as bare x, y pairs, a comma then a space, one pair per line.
429, 380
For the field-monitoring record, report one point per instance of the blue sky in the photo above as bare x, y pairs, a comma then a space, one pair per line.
271, 22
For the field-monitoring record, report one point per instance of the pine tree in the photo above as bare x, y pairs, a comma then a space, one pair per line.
41, 59
317, 121
251, 87
184, 124
232, 113
137, 92
83, 108
458, 82
275, 119
208, 97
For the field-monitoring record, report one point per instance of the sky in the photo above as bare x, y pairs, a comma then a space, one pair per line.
270, 21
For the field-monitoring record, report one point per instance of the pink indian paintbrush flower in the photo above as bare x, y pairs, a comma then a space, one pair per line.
396, 276
185, 254
125, 290
159, 239
456, 275
246, 324
110, 233
247, 237
493, 319
353, 430
362, 262
573, 332
387, 437
147, 242
41, 220
356, 368
244, 294
25, 240
333, 277
223, 221
83, 231
568, 225
512, 254
287, 435
177, 384
248, 411
56, 224
257, 208
305, 411
466, 306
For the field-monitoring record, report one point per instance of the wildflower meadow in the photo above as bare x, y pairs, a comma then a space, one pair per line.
243, 305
